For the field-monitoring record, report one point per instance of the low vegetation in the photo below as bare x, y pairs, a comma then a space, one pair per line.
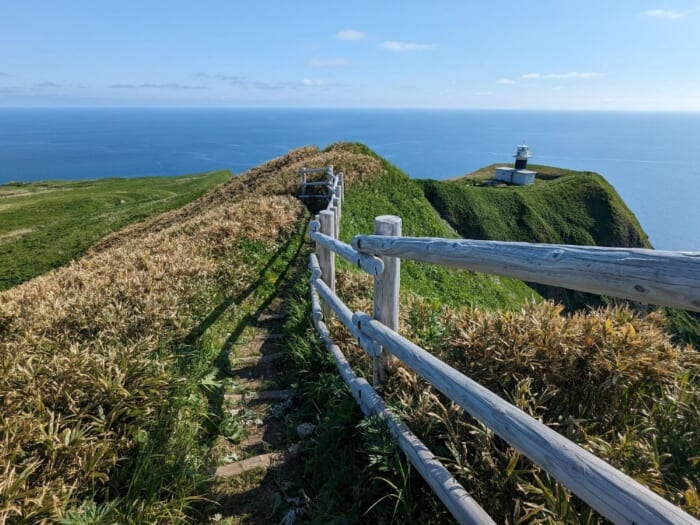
44, 225
109, 375
563, 207
391, 192
610, 380
99, 395
572, 208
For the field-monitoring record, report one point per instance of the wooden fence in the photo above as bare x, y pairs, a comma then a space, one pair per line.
666, 278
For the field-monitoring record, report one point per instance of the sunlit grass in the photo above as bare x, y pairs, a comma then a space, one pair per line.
44, 225
108, 368
88, 358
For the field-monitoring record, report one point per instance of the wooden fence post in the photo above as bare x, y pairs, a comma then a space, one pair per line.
341, 184
326, 257
336, 216
386, 295
302, 173
339, 195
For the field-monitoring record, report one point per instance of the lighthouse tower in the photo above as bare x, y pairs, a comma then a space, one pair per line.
522, 153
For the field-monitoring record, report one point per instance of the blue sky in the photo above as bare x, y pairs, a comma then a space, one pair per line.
542, 54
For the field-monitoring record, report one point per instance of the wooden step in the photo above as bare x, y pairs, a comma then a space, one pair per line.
266, 337
266, 395
263, 461
274, 316
255, 359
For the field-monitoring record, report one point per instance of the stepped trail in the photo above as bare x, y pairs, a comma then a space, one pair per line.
256, 466
254, 450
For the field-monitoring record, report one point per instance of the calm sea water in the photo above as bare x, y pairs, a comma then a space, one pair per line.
650, 158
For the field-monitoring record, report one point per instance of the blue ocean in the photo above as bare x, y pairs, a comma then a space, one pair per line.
650, 158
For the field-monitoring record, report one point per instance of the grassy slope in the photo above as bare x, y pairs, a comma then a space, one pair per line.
570, 208
393, 193
351, 468
356, 473
563, 207
43, 225
108, 353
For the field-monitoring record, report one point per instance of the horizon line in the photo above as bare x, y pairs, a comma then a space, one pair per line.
365, 108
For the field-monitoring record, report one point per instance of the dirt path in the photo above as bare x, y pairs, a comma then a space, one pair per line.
256, 478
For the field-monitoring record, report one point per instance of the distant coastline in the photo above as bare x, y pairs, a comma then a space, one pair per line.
647, 156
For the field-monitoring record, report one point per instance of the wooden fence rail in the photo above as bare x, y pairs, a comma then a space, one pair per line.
615, 495
369, 263
667, 278
650, 276
451, 493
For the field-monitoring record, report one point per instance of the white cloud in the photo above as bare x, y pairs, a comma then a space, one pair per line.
506, 81
395, 46
350, 34
668, 14
328, 62
313, 83
168, 85
571, 74
245, 83
219, 76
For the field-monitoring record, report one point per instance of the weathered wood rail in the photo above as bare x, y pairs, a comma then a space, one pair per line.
665, 278
650, 276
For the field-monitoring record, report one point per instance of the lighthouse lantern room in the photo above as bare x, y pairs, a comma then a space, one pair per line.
522, 153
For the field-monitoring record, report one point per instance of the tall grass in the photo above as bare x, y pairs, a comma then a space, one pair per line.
609, 379
88, 358
101, 409
103, 377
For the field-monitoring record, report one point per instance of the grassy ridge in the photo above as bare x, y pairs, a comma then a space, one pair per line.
105, 394
569, 208
43, 225
391, 192
610, 380
562, 207
102, 388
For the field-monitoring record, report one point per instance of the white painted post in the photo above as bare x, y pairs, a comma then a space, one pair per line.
336, 213
326, 257
341, 183
339, 196
386, 295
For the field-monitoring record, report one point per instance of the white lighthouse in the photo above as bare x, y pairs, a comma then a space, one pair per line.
518, 175
522, 153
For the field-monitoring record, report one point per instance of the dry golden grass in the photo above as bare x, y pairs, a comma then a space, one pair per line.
276, 177
609, 379
86, 351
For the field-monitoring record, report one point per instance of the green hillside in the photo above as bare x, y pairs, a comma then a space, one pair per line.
131, 373
392, 192
563, 207
43, 225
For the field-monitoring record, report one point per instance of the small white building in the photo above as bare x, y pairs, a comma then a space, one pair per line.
517, 175
504, 174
